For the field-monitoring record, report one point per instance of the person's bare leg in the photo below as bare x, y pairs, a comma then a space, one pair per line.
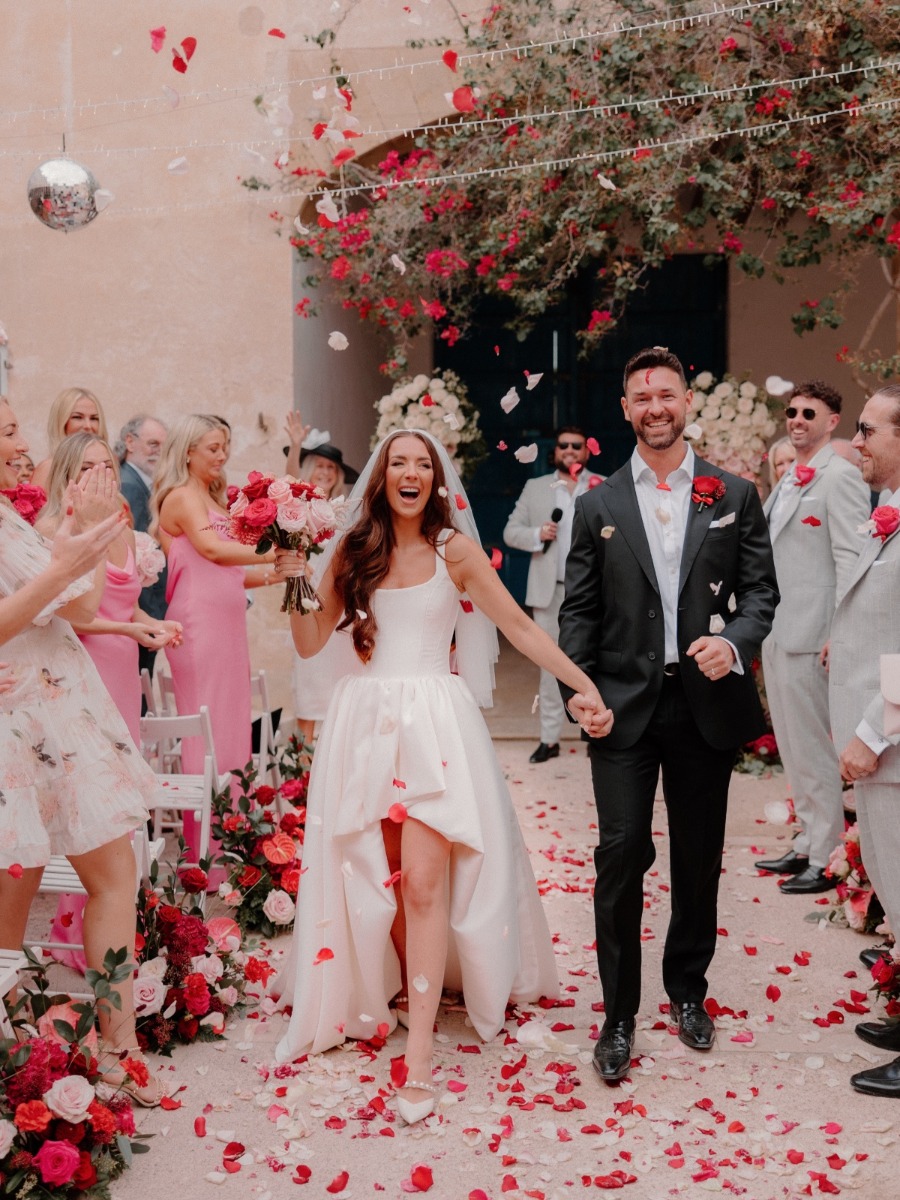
424, 856
16, 896
392, 833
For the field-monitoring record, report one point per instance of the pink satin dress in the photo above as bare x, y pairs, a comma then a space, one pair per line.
212, 665
116, 659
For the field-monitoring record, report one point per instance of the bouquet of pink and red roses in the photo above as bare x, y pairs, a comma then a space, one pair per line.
269, 511
27, 499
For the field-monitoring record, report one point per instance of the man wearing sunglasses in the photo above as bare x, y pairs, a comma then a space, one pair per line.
866, 626
814, 515
541, 524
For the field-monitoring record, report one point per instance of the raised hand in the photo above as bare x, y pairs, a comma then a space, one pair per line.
296, 431
75, 552
94, 496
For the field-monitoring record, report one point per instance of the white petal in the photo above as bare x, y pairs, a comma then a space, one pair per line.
510, 400
527, 454
398, 263
716, 624
693, 431
178, 166
536, 703
420, 983
776, 386
607, 531
338, 340
533, 381
606, 183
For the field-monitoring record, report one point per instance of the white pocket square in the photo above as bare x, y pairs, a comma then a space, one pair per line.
721, 522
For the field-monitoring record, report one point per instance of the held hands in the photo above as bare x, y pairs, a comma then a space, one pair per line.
289, 564
94, 496
713, 656
857, 761
154, 635
591, 713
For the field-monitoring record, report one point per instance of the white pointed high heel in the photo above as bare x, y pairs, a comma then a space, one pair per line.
418, 1111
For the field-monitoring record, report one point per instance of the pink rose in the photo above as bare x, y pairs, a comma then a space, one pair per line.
292, 515
279, 907
57, 1162
228, 996
70, 1098
260, 513
209, 966
149, 995
280, 491
149, 560
321, 516
886, 518
238, 504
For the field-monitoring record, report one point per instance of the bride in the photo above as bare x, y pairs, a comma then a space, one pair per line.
415, 870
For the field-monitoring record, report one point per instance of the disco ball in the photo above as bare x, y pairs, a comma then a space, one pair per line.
62, 194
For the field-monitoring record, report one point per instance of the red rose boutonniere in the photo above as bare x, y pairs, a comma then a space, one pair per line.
707, 489
27, 499
885, 519
803, 475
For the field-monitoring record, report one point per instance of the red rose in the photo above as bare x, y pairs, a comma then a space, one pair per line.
803, 475
188, 1028
169, 914
85, 1175
257, 486
66, 1132
290, 822
249, 877
259, 514
707, 489
196, 995
264, 794
290, 880
293, 789
886, 519
193, 880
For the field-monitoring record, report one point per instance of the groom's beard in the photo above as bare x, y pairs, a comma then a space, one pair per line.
662, 436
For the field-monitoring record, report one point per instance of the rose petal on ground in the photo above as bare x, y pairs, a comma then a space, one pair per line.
302, 1174
399, 1071
279, 33
178, 166
338, 1183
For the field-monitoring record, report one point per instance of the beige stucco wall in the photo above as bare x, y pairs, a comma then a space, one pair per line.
179, 297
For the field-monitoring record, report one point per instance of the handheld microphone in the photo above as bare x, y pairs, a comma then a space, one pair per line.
554, 517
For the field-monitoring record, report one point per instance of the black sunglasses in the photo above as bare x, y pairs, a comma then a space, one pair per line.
809, 414
570, 445
864, 429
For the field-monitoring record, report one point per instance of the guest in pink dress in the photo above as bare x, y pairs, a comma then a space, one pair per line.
111, 639
208, 573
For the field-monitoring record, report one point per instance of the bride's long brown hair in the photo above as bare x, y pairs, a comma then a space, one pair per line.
363, 558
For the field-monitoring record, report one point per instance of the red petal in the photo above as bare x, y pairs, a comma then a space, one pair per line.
427, 401
751, 950
813, 521
467, 606
302, 1174
169, 1103
593, 445
200, 1126
795, 1156
422, 1177
277, 33
231, 1166
189, 45
338, 1183
66, 920
392, 879
319, 129
773, 993
397, 813
234, 1150
464, 99
157, 37
343, 156
501, 446
16, 870
398, 783
496, 558
450, 59
460, 501
324, 955
399, 1071
178, 62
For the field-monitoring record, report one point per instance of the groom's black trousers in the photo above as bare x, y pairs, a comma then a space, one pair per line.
695, 786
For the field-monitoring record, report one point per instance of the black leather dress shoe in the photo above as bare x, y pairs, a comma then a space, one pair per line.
544, 752
612, 1053
813, 879
788, 864
873, 954
879, 1081
695, 1027
883, 1034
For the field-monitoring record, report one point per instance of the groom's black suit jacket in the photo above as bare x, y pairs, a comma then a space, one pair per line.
611, 621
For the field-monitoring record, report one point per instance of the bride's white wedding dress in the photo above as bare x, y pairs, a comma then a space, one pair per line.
406, 730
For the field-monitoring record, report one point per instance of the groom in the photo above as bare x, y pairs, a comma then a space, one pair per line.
670, 589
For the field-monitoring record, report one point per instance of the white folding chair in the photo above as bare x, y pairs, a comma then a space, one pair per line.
180, 793
149, 696
11, 963
266, 761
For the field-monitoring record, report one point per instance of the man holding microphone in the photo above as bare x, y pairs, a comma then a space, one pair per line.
541, 524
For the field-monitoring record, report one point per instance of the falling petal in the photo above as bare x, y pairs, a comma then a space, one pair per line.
452, 420
663, 517
693, 431
157, 37
450, 59
397, 812
460, 502
607, 531
593, 445
510, 400
16, 870
536, 703
463, 98
324, 955
526, 454
716, 587
776, 386
392, 879
171, 95
320, 93
496, 558
103, 198
716, 624
420, 983
338, 340
777, 812
398, 264
277, 33
532, 382
502, 446
178, 166
606, 183
361, 615
327, 208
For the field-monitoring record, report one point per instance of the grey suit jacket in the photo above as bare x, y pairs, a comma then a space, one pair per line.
816, 547
533, 508
136, 492
866, 625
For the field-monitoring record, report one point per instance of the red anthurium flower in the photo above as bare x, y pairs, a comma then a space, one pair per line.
707, 489
803, 475
886, 519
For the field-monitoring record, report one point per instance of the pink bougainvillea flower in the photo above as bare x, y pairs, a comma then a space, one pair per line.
157, 37
279, 33
728, 46
324, 955
450, 58
180, 61
599, 317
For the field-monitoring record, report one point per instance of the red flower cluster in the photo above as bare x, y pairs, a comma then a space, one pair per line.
886, 518
27, 499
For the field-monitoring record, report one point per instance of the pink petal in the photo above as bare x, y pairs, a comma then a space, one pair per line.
279, 33
157, 37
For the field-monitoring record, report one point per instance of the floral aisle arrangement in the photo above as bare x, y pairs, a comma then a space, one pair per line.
736, 419
853, 903
191, 972
269, 511
64, 1132
439, 406
261, 849
27, 499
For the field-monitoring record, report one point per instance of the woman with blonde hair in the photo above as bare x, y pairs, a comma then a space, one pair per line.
112, 637
74, 410
781, 455
208, 572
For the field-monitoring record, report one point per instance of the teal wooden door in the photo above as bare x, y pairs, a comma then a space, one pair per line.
683, 307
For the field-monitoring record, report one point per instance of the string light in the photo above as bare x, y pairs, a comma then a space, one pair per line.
600, 109
223, 95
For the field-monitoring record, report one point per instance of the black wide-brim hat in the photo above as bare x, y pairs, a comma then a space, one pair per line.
333, 454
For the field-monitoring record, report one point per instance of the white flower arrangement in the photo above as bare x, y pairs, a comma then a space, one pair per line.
735, 420
440, 406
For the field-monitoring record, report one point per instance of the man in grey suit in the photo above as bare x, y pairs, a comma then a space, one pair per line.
866, 625
139, 445
814, 515
541, 524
